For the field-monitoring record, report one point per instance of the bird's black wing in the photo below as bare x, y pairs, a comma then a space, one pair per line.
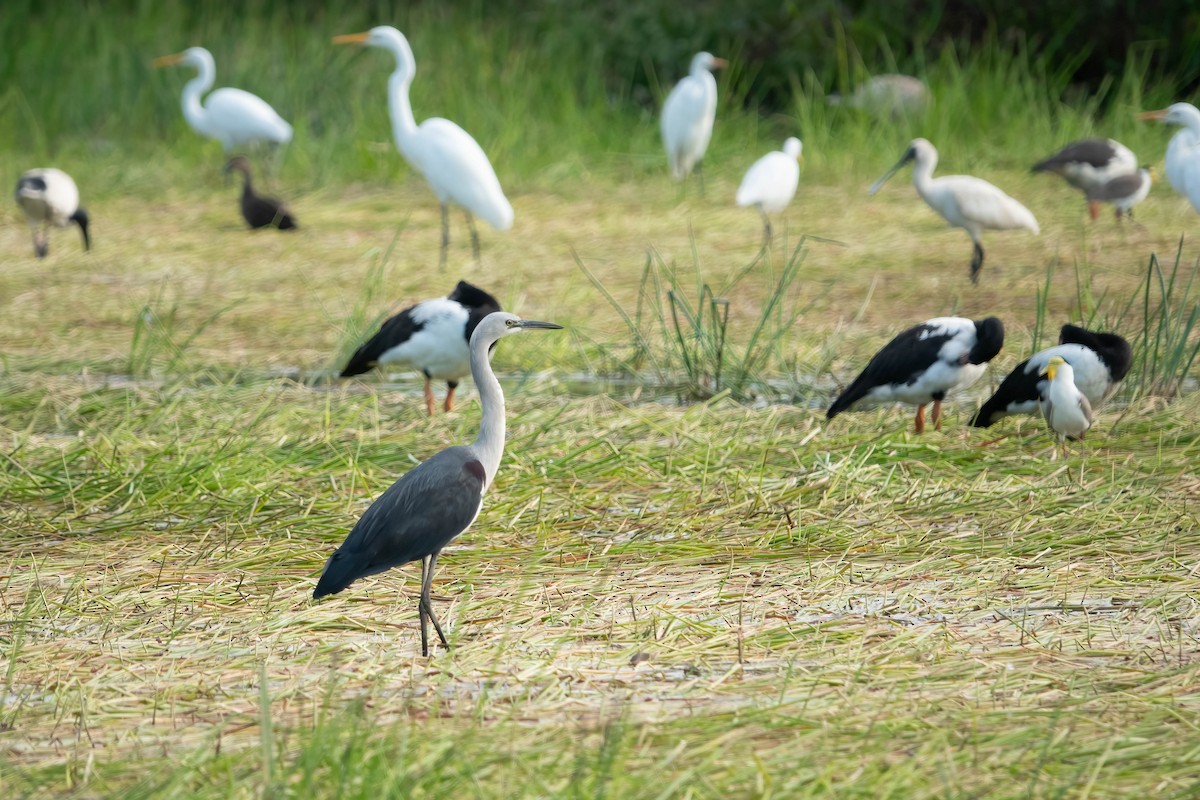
472, 296
901, 361
395, 331
1117, 188
1097, 152
264, 212
1020, 386
417, 516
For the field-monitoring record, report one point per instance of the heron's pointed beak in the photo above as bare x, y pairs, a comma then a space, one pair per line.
877, 185
1157, 115
167, 61
533, 323
351, 38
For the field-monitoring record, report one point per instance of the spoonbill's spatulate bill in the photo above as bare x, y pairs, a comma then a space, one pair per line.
963, 201
431, 504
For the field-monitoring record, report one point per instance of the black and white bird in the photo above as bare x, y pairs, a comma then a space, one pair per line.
48, 197
924, 363
963, 201
434, 502
1099, 361
1123, 192
258, 210
1066, 409
431, 337
1089, 164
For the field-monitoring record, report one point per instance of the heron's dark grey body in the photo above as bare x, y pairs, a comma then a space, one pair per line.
1099, 361
416, 517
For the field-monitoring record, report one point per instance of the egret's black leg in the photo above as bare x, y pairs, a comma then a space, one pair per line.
976, 262
445, 236
767, 232
474, 236
428, 564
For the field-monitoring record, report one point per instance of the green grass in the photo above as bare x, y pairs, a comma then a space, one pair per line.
659, 599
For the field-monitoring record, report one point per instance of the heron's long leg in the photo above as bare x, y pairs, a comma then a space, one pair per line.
976, 262
450, 387
474, 236
920, 419
427, 603
421, 606
1094, 210
428, 396
767, 232
445, 236
937, 414
700, 175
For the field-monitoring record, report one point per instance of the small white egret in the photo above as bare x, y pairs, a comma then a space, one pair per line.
963, 201
452, 162
924, 363
1099, 361
771, 182
1089, 164
687, 117
432, 337
1066, 409
258, 210
1183, 152
231, 116
435, 501
48, 197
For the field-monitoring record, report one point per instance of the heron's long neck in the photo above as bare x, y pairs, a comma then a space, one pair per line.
404, 125
193, 112
490, 443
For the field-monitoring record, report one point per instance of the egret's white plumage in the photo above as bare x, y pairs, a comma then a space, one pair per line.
963, 201
1066, 409
1183, 151
452, 162
48, 197
231, 116
771, 182
688, 114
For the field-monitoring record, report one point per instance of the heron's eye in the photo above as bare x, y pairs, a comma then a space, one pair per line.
510, 322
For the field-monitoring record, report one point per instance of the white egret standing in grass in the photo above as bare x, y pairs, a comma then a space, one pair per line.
48, 197
435, 501
1183, 151
770, 183
687, 117
1066, 409
231, 116
1089, 164
923, 364
963, 201
452, 162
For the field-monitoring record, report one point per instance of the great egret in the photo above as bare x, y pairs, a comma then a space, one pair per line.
434, 502
48, 197
963, 201
1183, 152
1099, 362
1066, 409
688, 114
893, 96
924, 363
770, 183
231, 116
431, 337
1089, 164
257, 210
452, 162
